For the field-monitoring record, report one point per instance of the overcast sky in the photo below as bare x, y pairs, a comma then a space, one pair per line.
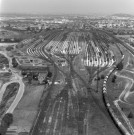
68, 6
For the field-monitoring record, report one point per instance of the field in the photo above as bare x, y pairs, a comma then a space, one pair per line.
26, 110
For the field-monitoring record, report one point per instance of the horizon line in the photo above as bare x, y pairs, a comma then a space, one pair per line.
83, 14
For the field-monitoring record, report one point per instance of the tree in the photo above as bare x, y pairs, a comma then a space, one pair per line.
102, 76
30, 78
14, 62
49, 75
23, 73
28, 28
119, 66
47, 29
130, 115
7, 120
114, 78
98, 78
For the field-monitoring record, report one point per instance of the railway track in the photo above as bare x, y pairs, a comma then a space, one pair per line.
48, 120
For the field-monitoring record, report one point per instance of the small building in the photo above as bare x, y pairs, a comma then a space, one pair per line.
42, 77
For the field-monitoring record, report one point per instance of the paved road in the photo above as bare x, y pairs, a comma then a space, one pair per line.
15, 78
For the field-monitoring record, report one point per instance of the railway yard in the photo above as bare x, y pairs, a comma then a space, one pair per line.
88, 87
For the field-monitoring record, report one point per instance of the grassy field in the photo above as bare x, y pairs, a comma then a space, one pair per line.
27, 108
8, 34
8, 97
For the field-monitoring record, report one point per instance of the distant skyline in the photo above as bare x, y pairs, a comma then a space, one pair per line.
67, 6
